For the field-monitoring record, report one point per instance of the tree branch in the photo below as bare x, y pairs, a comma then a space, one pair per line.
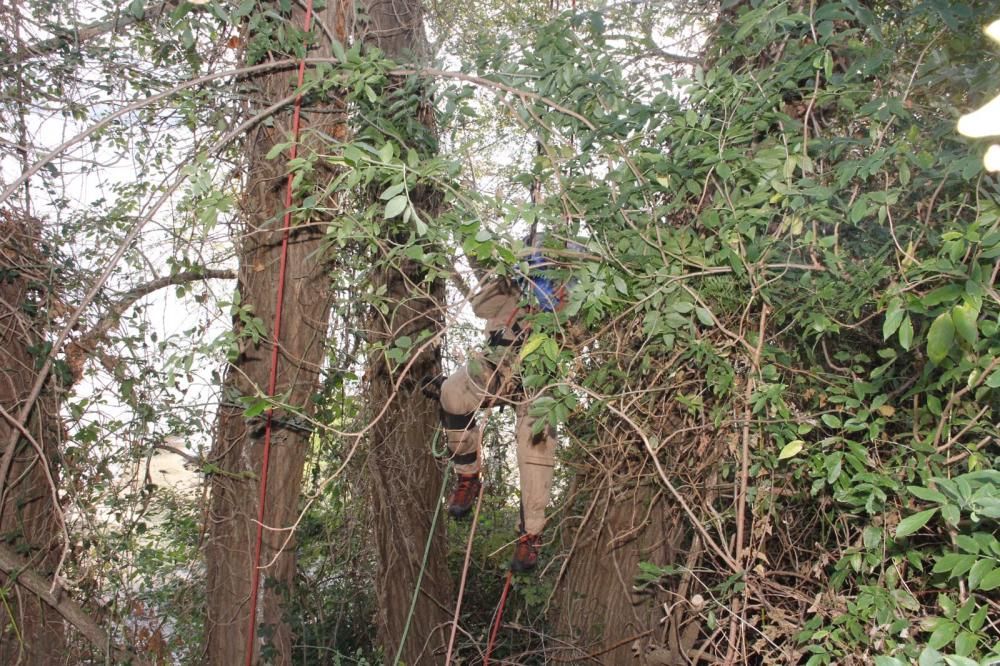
17, 570
89, 340
82, 35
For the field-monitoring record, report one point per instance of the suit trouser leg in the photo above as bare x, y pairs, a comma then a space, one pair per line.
535, 461
461, 395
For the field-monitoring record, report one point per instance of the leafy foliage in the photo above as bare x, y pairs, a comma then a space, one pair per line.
785, 252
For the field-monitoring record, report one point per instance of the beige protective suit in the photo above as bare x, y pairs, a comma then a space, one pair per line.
489, 377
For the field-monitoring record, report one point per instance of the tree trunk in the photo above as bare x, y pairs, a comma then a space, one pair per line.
31, 632
610, 608
600, 613
238, 447
405, 481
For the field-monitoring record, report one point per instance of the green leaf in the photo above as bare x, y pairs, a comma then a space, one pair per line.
904, 174
911, 524
906, 333
990, 581
256, 409
978, 572
947, 562
834, 466
620, 285
967, 543
960, 659
531, 344
888, 661
706, 318
395, 206
993, 381
979, 618
950, 514
927, 494
940, 337
943, 635
338, 50
941, 295
871, 536
831, 420
929, 657
791, 449
420, 224
391, 191
964, 319
893, 318
353, 154
385, 153
277, 149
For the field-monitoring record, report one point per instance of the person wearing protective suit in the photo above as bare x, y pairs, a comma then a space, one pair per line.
488, 378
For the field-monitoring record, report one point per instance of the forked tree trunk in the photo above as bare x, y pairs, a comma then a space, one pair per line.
31, 632
405, 481
238, 446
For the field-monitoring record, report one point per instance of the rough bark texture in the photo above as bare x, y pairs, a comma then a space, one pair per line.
622, 517
600, 613
405, 481
238, 446
31, 632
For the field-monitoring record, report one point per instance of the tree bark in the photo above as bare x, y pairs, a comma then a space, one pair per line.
237, 450
31, 631
599, 611
622, 517
405, 480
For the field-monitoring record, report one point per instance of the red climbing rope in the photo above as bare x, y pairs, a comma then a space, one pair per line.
498, 619
273, 378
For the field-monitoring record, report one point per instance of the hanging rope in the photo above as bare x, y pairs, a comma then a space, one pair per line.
427, 550
465, 575
498, 618
273, 378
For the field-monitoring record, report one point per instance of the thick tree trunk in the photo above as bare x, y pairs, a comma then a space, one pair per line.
610, 608
238, 447
405, 481
599, 612
405, 484
31, 632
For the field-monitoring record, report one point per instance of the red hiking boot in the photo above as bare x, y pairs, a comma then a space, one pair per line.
464, 495
526, 553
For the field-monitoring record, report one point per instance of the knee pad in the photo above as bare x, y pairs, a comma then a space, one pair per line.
457, 421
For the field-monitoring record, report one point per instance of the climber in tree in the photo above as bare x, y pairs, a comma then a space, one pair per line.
490, 377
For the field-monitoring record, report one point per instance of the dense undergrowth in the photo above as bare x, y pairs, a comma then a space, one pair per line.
793, 254
783, 330
786, 294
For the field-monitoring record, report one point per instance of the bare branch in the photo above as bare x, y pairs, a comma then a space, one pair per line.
17, 570
81, 36
93, 337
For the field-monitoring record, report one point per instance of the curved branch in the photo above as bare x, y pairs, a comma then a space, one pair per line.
89, 340
80, 36
60, 338
17, 570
